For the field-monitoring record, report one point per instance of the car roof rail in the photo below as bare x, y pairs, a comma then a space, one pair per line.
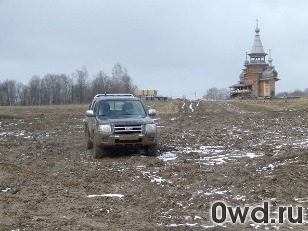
123, 95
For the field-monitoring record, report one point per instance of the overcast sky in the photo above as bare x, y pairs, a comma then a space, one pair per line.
177, 47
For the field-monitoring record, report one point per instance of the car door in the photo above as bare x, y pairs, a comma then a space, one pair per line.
92, 120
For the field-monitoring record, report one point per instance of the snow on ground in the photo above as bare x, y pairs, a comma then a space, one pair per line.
106, 195
191, 107
209, 155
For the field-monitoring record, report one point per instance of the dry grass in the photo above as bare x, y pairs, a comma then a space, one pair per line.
23, 112
170, 107
274, 105
204, 106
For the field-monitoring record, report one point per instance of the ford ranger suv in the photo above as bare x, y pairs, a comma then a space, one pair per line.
119, 121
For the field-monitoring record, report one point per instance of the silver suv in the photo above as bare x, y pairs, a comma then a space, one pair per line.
119, 121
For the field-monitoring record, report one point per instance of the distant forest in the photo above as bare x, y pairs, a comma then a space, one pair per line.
219, 94
53, 89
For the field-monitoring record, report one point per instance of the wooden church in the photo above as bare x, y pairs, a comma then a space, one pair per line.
258, 77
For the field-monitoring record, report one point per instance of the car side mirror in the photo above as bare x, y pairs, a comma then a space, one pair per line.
152, 112
90, 113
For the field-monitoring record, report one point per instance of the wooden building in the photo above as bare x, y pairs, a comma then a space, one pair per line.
143, 93
258, 77
149, 95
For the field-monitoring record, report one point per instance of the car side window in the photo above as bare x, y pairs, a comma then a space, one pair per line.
95, 108
91, 106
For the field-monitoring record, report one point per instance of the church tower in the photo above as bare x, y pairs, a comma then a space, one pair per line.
258, 77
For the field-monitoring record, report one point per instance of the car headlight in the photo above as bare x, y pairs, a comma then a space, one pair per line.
150, 128
106, 129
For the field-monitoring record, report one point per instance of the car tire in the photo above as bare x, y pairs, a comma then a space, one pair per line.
151, 150
98, 151
89, 143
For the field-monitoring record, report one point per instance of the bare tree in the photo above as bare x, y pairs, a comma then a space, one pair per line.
46, 91
56, 89
283, 94
127, 84
216, 94
63, 89
121, 79
24, 95
8, 93
80, 87
34, 90
101, 83
19, 93
211, 93
297, 92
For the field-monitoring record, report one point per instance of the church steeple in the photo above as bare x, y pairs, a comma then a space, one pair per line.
257, 54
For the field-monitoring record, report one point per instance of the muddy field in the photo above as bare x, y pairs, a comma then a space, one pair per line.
240, 152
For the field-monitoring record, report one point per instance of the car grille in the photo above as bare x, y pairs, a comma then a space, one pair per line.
128, 129
129, 142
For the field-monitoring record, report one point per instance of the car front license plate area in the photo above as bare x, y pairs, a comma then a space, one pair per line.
128, 137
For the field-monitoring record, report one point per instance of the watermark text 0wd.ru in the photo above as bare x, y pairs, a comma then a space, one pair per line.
221, 213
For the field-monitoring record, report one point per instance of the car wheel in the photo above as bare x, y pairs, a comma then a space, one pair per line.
89, 143
151, 150
98, 151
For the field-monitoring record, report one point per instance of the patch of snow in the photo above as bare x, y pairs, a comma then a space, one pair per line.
191, 107
215, 191
158, 180
166, 156
301, 200
186, 224
210, 155
209, 226
239, 197
6, 189
252, 155
106, 195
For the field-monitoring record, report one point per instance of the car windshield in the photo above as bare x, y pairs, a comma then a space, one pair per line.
121, 108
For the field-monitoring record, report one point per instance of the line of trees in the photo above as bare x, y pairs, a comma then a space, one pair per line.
296, 92
223, 93
65, 89
216, 94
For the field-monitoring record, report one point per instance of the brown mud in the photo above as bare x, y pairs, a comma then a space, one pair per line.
239, 152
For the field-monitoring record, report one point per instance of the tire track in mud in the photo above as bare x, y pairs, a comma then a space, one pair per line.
203, 158
189, 106
231, 108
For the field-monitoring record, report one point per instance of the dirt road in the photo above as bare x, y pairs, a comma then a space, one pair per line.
241, 153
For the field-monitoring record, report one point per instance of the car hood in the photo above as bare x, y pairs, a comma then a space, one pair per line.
128, 121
